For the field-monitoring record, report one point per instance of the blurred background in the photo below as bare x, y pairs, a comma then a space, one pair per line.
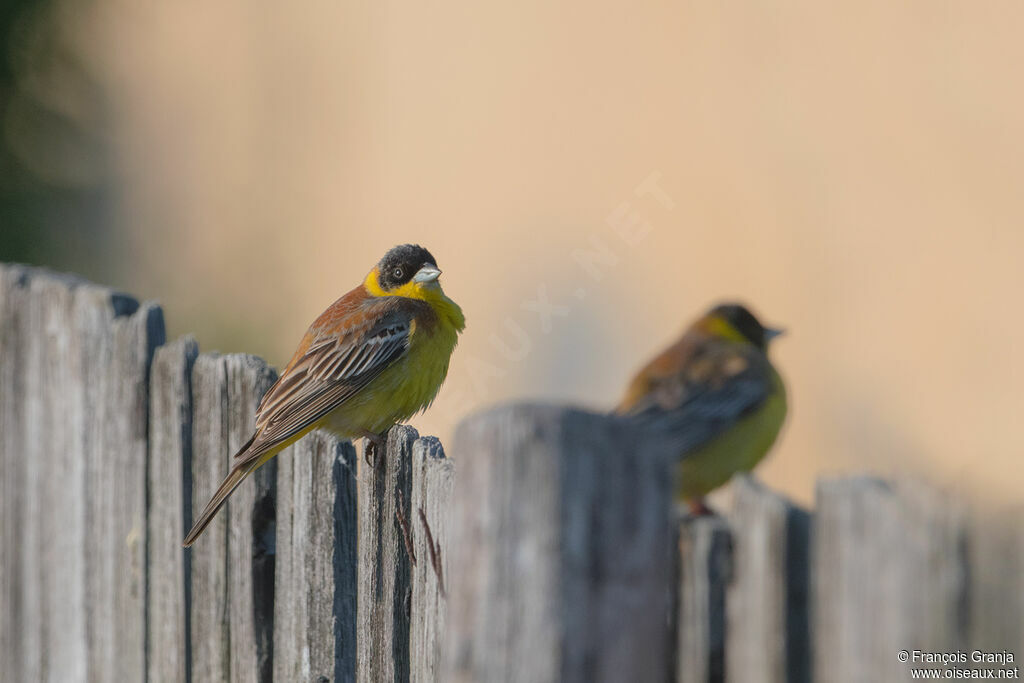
590, 177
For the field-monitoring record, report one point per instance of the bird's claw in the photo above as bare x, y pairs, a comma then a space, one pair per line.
698, 508
375, 445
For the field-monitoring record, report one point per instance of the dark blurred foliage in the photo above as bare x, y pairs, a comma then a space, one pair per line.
54, 180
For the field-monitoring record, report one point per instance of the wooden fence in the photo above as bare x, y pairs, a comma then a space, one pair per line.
551, 555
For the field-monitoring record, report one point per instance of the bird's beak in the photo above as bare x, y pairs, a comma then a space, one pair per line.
428, 273
772, 333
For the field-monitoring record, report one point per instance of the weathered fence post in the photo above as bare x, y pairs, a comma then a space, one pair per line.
116, 444
19, 637
562, 563
433, 477
890, 574
232, 563
996, 560
315, 583
170, 496
74, 470
384, 573
705, 561
767, 631
553, 558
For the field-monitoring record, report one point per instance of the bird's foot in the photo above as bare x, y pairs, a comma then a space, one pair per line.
698, 508
375, 445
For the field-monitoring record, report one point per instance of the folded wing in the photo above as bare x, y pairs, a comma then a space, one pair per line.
333, 368
718, 386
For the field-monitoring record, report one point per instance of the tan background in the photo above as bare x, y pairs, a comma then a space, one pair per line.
852, 170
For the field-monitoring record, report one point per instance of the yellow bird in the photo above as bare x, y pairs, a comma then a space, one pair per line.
715, 397
375, 357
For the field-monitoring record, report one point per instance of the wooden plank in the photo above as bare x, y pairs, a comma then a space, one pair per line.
77, 455
768, 636
890, 573
20, 647
996, 552
170, 500
208, 611
562, 551
384, 581
54, 542
315, 566
705, 561
115, 379
14, 617
250, 530
433, 477
231, 566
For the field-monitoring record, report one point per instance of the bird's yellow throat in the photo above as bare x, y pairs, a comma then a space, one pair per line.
721, 328
430, 292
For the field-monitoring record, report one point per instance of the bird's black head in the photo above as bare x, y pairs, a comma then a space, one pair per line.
402, 264
744, 322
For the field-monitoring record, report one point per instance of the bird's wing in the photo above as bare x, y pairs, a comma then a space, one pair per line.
718, 385
335, 365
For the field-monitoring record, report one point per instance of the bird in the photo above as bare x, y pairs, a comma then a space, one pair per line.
715, 399
374, 358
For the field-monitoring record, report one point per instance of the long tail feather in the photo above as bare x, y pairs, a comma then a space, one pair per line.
235, 477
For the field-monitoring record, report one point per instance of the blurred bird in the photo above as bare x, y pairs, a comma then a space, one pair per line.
715, 397
375, 357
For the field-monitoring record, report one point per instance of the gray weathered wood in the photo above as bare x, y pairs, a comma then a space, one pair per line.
208, 557
767, 615
556, 546
55, 513
250, 530
433, 477
705, 562
19, 623
384, 572
315, 565
562, 553
170, 499
997, 580
76, 453
232, 563
890, 573
116, 382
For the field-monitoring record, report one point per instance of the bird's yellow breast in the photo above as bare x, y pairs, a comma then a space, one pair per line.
738, 449
411, 383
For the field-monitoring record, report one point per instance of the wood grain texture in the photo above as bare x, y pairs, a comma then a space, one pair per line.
170, 498
705, 565
208, 557
250, 530
890, 573
767, 627
116, 453
19, 635
80, 356
384, 572
55, 513
996, 553
433, 477
315, 565
232, 566
562, 554
557, 545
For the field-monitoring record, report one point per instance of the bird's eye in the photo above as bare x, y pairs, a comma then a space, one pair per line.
397, 272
